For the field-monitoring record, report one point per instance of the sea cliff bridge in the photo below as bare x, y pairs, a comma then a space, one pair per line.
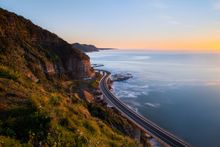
140, 122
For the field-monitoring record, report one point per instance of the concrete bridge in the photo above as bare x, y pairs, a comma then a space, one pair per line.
143, 125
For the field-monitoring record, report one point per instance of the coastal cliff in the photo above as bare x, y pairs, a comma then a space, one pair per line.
88, 48
38, 52
47, 92
85, 47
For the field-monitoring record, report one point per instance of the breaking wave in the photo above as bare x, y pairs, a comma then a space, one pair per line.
156, 105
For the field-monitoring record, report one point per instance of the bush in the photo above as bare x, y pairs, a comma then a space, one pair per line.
7, 73
91, 127
95, 84
55, 100
9, 142
64, 122
10, 132
24, 122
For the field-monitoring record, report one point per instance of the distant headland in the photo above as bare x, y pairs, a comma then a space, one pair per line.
89, 48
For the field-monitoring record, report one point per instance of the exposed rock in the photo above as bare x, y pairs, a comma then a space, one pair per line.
32, 77
50, 70
79, 68
97, 65
121, 77
88, 96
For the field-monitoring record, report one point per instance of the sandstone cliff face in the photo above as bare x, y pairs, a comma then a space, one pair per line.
39, 53
82, 66
88, 96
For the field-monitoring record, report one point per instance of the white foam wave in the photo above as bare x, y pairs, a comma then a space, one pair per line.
156, 105
130, 90
127, 94
213, 83
134, 103
138, 86
141, 57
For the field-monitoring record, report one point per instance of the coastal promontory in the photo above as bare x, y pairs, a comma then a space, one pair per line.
49, 92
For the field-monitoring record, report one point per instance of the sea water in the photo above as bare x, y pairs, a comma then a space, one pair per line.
178, 91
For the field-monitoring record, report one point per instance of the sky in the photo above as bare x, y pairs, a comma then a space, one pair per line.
182, 25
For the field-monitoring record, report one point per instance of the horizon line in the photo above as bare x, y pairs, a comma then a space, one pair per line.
165, 50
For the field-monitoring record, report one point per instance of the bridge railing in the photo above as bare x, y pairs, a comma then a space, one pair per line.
105, 78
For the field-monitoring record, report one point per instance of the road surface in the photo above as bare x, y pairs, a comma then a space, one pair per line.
141, 122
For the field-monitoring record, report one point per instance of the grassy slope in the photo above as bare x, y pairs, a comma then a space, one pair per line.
32, 114
48, 112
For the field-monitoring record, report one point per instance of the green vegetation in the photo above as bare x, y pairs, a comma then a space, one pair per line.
31, 114
7, 73
120, 124
9, 142
37, 109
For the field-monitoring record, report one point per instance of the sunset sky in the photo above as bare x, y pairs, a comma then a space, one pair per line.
190, 25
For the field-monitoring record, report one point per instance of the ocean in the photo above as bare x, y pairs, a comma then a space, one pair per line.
178, 91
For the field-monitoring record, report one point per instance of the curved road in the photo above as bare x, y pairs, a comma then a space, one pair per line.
143, 123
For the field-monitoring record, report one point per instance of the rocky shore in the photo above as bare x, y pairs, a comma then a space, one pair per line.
121, 77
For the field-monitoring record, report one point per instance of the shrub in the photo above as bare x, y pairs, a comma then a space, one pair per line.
9, 142
64, 122
91, 126
95, 84
10, 132
7, 73
55, 100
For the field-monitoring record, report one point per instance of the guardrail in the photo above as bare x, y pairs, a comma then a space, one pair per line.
143, 123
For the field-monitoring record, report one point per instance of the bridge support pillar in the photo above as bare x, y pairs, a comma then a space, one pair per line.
137, 134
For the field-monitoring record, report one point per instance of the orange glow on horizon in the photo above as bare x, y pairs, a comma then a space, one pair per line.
208, 42
177, 45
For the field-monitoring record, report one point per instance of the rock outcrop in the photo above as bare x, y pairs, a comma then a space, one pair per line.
121, 77
88, 96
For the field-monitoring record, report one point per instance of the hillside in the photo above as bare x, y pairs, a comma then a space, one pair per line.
85, 47
44, 100
88, 48
23, 41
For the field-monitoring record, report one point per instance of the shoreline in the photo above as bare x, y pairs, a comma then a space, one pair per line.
136, 118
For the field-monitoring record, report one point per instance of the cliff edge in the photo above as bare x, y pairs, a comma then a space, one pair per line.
45, 99
38, 52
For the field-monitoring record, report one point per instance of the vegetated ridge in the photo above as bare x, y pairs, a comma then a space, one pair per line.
89, 48
44, 97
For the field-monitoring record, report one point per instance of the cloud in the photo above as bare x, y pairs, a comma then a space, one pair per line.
159, 5
216, 6
174, 22
217, 22
166, 17
189, 26
170, 19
